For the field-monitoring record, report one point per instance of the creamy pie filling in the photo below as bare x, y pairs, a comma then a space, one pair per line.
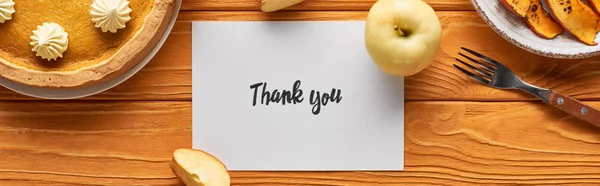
88, 44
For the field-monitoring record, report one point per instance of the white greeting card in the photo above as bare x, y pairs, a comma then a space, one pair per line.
294, 96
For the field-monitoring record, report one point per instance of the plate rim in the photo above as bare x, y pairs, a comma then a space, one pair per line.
81, 92
525, 47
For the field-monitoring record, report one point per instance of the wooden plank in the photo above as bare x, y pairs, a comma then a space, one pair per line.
121, 143
447, 143
474, 143
441, 81
314, 5
168, 76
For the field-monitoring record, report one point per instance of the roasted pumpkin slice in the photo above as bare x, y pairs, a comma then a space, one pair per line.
577, 18
595, 5
518, 7
541, 22
538, 20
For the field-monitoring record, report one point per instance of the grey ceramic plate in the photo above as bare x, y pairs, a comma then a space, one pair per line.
515, 30
73, 93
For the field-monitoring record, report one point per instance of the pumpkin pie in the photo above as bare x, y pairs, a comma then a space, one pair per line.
72, 43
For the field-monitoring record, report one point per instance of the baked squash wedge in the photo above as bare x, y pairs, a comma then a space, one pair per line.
518, 7
541, 22
538, 20
595, 5
577, 18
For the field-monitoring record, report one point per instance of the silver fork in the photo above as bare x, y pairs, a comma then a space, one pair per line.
494, 74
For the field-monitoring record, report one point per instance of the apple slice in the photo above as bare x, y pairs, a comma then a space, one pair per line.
198, 168
541, 22
577, 18
274, 5
518, 7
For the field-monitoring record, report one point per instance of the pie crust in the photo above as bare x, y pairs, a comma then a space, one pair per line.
127, 56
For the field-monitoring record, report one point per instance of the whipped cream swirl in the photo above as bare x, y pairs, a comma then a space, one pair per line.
49, 41
110, 15
7, 8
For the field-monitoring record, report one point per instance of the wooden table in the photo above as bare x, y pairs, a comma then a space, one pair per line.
458, 132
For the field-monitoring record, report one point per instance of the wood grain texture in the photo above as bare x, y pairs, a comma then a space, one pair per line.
314, 5
447, 143
473, 143
441, 81
115, 143
451, 137
168, 76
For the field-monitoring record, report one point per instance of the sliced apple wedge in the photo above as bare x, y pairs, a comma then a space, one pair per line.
540, 21
275, 5
198, 168
518, 7
577, 18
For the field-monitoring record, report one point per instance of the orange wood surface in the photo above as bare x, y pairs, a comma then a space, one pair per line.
326, 5
458, 132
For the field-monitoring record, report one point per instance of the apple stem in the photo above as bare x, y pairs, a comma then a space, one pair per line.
399, 31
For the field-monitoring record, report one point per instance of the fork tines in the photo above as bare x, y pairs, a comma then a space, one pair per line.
487, 67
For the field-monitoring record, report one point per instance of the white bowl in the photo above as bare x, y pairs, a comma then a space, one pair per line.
73, 93
515, 30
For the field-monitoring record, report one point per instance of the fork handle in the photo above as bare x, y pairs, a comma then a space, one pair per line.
574, 107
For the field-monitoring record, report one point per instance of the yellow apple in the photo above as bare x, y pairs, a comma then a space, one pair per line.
198, 168
402, 37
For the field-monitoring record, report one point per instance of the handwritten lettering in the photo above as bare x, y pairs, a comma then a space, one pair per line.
290, 97
294, 96
316, 99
